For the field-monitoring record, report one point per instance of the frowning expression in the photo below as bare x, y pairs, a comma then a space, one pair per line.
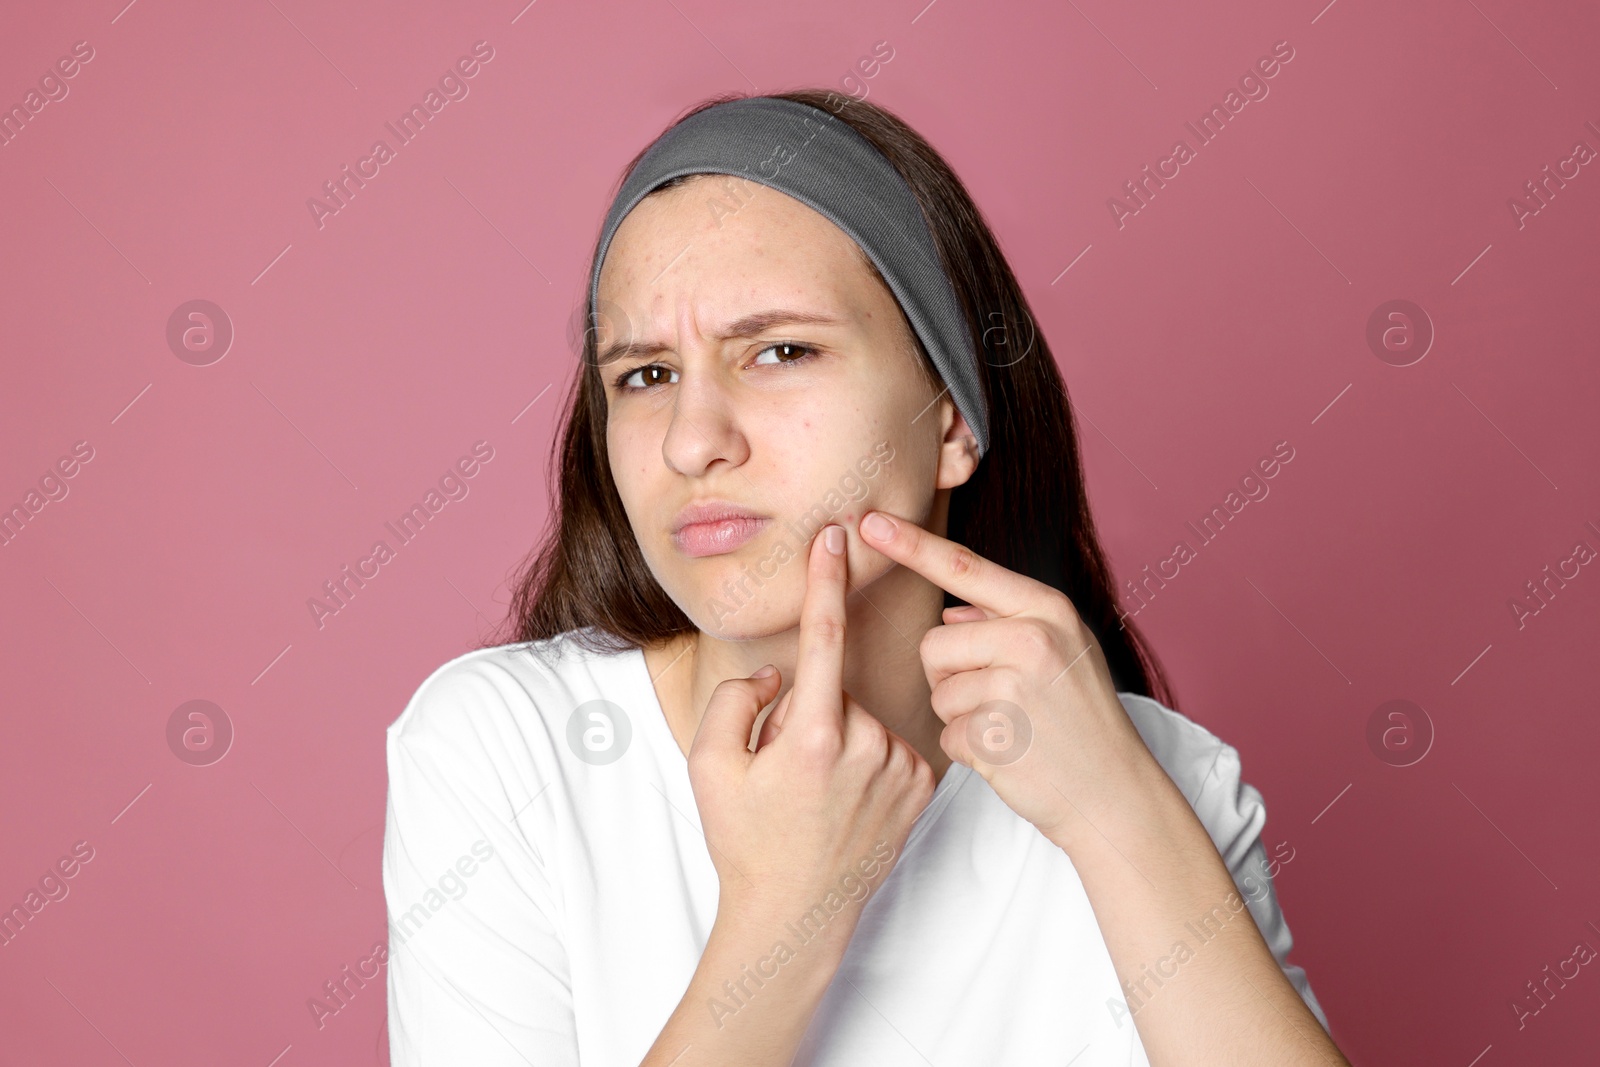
754, 364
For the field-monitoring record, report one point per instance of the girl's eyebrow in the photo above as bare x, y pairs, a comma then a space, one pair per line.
746, 326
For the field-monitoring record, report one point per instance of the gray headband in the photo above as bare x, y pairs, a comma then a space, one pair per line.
808, 154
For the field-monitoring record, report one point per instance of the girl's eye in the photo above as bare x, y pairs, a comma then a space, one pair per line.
622, 379
809, 352
652, 372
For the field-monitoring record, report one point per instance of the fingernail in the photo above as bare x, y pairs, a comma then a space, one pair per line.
833, 540
878, 526
765, 672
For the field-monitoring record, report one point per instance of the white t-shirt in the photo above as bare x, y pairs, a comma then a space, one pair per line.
550, 892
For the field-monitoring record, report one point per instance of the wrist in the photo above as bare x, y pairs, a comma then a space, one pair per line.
1140, 810
775, 943
786, 919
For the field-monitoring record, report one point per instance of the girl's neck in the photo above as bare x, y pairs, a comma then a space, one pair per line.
882, 666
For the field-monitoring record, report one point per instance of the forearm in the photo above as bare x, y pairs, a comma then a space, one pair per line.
1198, 979
750, 1001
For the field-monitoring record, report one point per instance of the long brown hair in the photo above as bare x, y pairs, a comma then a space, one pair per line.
1024, 507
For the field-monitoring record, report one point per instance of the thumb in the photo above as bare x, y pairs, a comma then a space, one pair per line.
773, 725
731, 713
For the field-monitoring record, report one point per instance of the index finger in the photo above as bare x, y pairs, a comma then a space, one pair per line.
952, 567
818, 691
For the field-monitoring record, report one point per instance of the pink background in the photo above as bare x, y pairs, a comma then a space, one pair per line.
432, 312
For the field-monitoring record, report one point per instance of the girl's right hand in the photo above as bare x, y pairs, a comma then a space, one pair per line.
829, 791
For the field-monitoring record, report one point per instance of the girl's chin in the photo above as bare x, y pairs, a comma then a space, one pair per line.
742, 611
748, 625
732, 600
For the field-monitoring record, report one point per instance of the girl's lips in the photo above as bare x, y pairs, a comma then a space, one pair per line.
715, 538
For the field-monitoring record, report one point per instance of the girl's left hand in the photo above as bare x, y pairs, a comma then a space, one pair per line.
1023, 689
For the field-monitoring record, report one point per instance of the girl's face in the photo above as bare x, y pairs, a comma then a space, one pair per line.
750, 358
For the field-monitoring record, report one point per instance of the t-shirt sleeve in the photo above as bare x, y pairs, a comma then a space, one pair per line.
1208, 772
477, 970
1234, 813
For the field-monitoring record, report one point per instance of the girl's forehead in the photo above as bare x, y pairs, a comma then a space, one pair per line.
674, 265
711, 289
768, 229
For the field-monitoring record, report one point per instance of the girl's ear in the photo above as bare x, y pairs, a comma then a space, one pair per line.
958, 452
